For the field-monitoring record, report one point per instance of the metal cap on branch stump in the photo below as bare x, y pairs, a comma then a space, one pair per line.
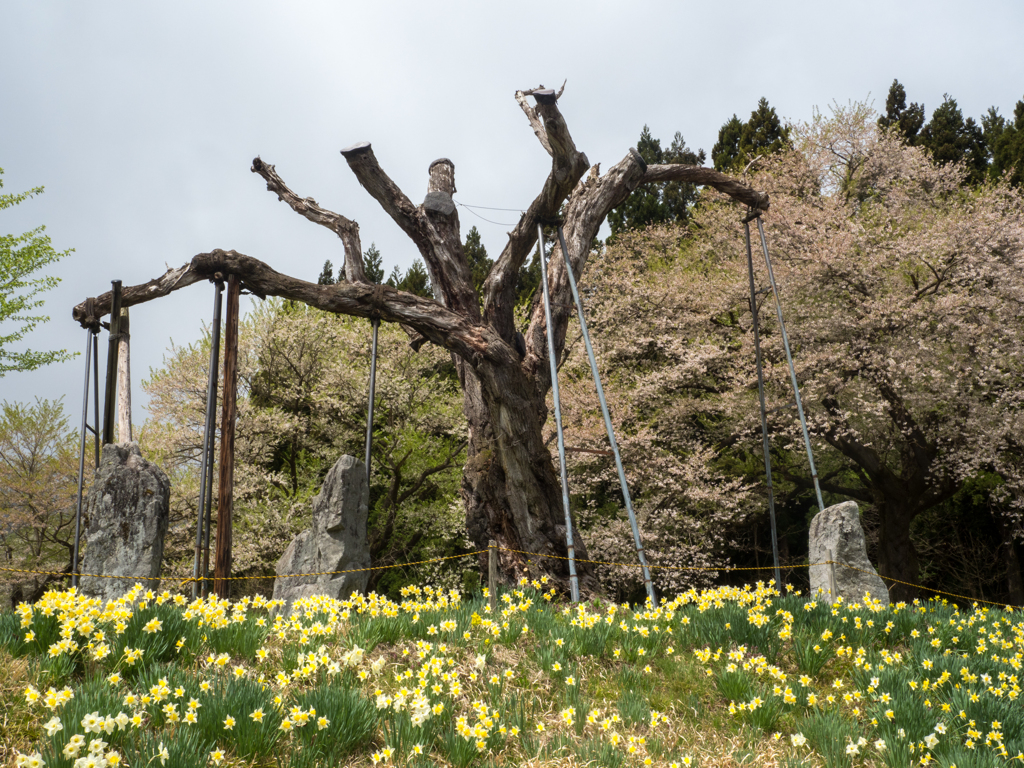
545, 96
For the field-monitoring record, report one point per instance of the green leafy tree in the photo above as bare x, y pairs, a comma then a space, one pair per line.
302, 404
21, 256
476, 254
38, 484
372, 261
739, 143
326, 274
951, 139
1008, 146
906, 120
658, 203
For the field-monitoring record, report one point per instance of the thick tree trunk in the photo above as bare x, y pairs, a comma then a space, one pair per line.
897, 556
1011, 560
511, 489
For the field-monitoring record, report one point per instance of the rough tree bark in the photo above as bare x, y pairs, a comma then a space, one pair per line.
510, 486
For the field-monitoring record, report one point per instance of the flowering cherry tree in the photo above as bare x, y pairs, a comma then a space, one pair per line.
903, 295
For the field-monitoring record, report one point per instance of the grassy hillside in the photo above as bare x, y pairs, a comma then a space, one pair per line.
722, 677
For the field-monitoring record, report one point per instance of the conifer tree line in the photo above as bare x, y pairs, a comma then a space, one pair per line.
900, 240
988, 147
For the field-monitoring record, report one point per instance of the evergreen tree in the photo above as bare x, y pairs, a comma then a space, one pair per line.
725, 154
739, 143
326, 274
679, 197
643, 206
658, 203
1008, 147
951, 139
372, 264
907, 120
479, 262
992, 126
395, 277
416, 280
763, 133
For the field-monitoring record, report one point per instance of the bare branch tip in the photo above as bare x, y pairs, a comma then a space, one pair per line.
356, 149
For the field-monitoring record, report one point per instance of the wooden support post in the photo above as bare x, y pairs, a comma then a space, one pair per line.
492, 573
124, 382
222, 567
110, 392
831, 577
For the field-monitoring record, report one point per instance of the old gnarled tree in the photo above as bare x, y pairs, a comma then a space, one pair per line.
510, 486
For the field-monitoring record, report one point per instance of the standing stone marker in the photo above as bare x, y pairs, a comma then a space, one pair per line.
336, 542
837, 530
128, 507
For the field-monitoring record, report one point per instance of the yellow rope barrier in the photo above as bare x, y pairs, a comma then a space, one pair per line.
764, 568
726, 569
187, 580
637, 565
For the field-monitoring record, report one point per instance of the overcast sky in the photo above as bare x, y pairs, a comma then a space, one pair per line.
141, 120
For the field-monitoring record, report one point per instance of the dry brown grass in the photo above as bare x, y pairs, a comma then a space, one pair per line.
19, 726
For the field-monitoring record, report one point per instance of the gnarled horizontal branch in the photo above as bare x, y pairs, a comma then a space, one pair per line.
448, 329
695, 174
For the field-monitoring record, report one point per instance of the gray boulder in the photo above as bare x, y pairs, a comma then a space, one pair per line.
128, 507
837, 530
336, 542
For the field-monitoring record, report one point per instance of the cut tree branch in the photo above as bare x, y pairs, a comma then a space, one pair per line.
430, 227
346, 229
567, 167
535, 123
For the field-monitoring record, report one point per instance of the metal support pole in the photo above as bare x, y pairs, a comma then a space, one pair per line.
375, 322
81, 458
208, 436
114, 340
574, 586
207, 583
764, 414
96, 391
789, 359
648, 583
